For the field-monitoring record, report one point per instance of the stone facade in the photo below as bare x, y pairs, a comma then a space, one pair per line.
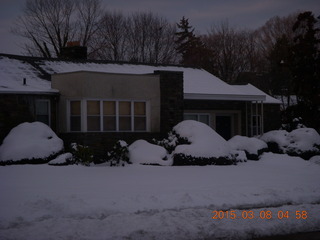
171, 89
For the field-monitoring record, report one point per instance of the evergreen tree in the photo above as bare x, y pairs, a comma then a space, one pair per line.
190, 46
306, 68
305, 65
280, 58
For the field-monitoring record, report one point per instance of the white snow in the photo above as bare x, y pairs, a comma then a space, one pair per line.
251, 145
61, 159
142, 152
250, 89
30, 140
12, 73
151, 202
301, 139
205, 142
315, 159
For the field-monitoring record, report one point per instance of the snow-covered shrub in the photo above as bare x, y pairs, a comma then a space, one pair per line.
206, 147
81, 154
173, 140
62, 160
30, 143
252, 147
302, 142
119, 155
142, 152
296, 123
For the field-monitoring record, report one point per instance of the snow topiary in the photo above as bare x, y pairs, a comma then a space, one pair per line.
205, 146
142, 152
30, 143
252, 147
302, 142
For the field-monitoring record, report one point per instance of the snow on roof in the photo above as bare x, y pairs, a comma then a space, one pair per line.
248, 88
12, 73
198, 83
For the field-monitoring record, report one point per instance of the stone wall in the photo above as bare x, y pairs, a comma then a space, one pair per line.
171, 90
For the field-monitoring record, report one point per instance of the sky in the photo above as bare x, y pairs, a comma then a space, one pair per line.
202, 14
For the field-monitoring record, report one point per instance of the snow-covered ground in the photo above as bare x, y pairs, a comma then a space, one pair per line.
153, 202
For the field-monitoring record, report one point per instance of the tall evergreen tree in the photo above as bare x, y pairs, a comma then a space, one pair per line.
189, 46
306, 68
306, 53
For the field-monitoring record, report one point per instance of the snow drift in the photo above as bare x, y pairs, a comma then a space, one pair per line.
29, 141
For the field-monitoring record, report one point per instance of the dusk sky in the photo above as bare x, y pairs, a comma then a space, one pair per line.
202, 14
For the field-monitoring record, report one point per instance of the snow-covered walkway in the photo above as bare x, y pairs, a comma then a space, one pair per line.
149, 202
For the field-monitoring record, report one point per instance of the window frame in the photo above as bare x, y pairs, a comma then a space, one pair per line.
198, 117
49, 110
84, 115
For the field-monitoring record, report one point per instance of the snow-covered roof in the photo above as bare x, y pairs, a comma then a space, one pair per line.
250, 89
12, 73
198, 83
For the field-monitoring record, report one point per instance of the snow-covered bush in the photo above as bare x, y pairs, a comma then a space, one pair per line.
30, 143
119, 155
296, 123
252, 147
142, 152
173, 140
303, 142
81, 154
206, 146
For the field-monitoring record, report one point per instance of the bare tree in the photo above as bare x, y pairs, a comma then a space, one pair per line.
110, 41
49, 24
140, 37
233, 51
274, 29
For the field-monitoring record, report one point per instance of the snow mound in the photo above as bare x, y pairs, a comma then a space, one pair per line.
61, 159
315, 159
30, 141
142, 152
205, 142
299, 141
252, 146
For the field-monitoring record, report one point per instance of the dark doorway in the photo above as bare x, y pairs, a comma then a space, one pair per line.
223, 126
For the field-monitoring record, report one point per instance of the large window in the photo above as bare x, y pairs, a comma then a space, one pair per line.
108, 116
43, 111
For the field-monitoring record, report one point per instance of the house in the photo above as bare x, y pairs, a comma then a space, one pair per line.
98, 102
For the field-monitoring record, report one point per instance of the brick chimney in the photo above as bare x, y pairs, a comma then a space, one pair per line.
73, 50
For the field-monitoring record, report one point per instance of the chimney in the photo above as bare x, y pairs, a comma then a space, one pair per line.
73, 50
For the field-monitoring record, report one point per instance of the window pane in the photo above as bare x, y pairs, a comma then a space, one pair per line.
42, 108
109, 108
125, 108
204, 119
190, 117
140, 124
93, 123
125, 123
139, 108
75, 123
93, 107
75, 108
109, 124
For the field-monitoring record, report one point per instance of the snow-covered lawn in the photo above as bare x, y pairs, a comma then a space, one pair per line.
153, 202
